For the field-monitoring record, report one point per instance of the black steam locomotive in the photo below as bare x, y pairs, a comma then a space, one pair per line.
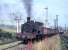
33, 31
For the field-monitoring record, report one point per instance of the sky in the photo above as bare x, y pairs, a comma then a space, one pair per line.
10, 9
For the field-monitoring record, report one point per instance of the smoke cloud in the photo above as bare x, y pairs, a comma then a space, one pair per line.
28, 6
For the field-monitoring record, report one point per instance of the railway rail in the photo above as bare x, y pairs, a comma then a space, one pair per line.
10, 45
19, 46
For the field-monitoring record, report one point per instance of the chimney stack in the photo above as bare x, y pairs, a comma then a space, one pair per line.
28, 19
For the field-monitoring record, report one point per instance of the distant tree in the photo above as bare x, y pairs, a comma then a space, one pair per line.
1, 30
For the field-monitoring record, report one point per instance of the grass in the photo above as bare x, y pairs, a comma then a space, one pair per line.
9, 30
9, 38
64, 43
52, 43
66, 33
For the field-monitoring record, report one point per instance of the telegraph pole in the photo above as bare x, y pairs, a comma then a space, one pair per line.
46, 19
56, 22
17, 19
46, 27
65, 28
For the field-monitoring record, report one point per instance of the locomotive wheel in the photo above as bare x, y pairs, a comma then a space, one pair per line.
33, 40
37, 38
25, 41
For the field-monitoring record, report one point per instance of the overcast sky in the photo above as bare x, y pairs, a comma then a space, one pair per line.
55, 7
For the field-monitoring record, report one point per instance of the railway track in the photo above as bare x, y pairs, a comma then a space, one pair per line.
19, 46
10, 45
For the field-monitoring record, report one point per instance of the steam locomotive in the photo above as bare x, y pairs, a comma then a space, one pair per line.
33, 31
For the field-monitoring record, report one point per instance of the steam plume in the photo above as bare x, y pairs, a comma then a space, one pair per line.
28, 6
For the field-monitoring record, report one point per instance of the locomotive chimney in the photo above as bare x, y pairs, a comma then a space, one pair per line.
28, 19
